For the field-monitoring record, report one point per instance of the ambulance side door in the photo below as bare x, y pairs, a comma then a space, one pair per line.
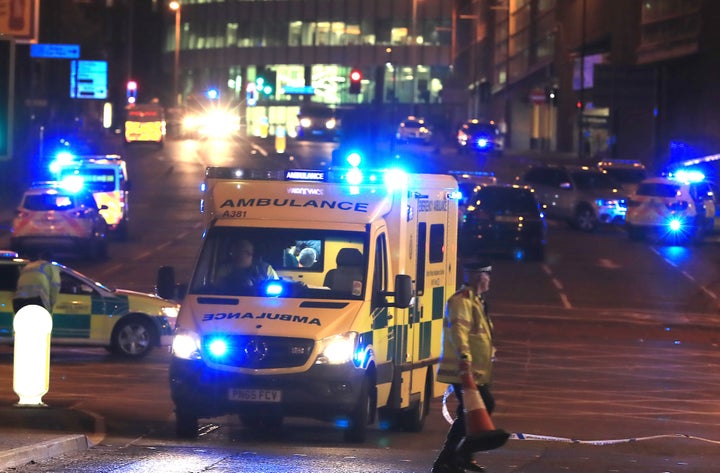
72, 311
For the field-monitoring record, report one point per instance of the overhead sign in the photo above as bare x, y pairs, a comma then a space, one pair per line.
88, 79
55, 51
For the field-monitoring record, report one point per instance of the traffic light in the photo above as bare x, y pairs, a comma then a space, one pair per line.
355, 81
131, 91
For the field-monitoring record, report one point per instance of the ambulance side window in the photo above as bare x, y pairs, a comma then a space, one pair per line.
421, 256
437, 243
71, 285
379, 280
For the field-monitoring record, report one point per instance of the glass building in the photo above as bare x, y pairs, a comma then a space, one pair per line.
281, 54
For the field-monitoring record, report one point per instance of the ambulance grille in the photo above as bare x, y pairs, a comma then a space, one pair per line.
264, 352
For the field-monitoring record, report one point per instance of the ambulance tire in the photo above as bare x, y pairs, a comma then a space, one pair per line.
413, 419
133, 337
362, 415
186, 424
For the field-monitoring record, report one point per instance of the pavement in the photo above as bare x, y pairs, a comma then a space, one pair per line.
31, 434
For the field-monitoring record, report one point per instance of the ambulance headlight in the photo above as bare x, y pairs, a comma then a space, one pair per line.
337, 349
186, 345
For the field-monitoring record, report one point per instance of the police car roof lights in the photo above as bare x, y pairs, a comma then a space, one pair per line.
688, 176
73, 183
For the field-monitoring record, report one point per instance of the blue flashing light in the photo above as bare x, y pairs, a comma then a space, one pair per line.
212, 94
395, 179
456, 195
73, 183
63, 158
675, 224
218, 348
354, 159
482, 142
274, 289
688, 175
354, 176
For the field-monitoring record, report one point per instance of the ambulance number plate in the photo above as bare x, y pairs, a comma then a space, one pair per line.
255, 395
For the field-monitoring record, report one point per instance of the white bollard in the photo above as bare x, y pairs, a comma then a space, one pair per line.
31, 364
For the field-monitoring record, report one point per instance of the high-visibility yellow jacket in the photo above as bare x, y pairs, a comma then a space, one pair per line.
467, 335
39, 279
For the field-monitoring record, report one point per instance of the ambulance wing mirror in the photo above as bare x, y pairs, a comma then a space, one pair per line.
165, 286
403, 291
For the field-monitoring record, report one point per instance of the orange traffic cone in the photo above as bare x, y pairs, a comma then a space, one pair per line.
480, 432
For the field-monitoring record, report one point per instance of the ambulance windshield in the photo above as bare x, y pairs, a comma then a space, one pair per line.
312, 263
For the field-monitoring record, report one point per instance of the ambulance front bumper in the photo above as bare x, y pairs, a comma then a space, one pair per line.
324, 392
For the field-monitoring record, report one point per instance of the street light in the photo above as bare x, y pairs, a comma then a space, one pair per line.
175, 6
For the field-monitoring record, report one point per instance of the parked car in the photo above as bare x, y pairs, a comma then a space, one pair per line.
628, 173
469, 182
52, 217
679, 208
583, 196
89, 313
503, 220
415, 130
480, 136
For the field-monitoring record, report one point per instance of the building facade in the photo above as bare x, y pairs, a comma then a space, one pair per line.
600, 78
292, 52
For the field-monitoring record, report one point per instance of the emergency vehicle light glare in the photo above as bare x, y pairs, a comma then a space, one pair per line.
73, 183
482, 142
675, 224
395, 179
354, 176
218, 347
689, 176
354, 159
273, 289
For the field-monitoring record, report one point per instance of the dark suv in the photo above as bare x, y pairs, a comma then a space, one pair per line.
503, 220
583, 196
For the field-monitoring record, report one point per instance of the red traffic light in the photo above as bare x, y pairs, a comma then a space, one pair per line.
355, 75
355, 81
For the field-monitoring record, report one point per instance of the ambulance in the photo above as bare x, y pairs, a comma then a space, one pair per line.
351, 339
106, 177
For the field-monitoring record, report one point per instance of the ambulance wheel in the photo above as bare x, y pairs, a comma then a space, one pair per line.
186, 424
585, 219
133, 337
362, 415
413, 419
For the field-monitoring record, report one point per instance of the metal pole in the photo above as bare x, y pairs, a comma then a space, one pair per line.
176, 79
581, 151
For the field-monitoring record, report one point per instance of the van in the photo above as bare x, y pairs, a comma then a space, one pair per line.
106, 177
350, 338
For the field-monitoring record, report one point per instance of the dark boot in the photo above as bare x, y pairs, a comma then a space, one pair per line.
447, 459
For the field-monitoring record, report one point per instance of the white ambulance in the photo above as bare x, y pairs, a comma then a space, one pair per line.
354, 334
106, 177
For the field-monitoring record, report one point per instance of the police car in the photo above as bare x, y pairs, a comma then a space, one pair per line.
414, 129
680, 207
89, 313
53, 217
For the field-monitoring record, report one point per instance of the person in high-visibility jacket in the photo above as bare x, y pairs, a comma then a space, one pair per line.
38, 284
467, 345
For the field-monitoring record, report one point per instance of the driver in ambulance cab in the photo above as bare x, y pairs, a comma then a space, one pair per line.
246, 270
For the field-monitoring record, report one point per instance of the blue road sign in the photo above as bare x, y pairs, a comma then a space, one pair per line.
55, 51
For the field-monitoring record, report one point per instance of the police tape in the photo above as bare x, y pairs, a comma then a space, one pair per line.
546, 438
